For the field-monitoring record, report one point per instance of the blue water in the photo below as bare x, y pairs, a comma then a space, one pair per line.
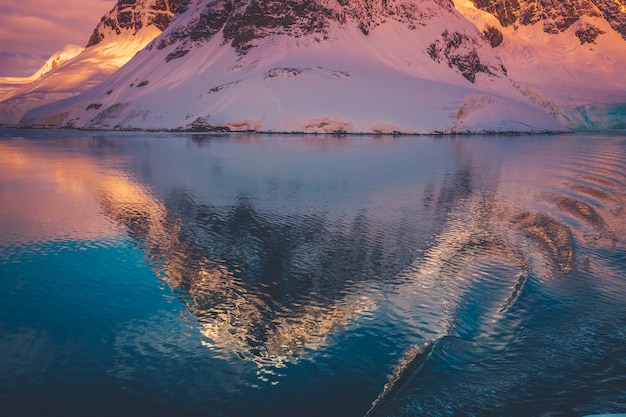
250, 275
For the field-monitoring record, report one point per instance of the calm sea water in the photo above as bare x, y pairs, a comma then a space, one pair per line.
191, 275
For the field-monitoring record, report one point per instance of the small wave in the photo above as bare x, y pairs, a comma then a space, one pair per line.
580, 210
553, 238
407, 369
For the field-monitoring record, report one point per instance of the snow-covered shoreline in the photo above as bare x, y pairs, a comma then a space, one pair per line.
246, 133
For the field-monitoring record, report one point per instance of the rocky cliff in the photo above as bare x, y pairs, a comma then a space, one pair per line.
556, 16
133, 15
567, 56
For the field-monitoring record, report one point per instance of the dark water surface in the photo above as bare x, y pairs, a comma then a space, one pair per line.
190, 275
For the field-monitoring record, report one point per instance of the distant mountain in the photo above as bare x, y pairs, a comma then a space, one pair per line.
58, 58
10, 85
567, 56
304, 66
121, 33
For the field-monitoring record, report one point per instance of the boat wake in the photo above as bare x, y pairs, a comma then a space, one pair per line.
489, 255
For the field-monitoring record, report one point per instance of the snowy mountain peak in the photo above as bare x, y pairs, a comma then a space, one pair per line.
134, 15
9, 86
122, 32
68, 52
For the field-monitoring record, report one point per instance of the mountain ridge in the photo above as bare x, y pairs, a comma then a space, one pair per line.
352, 66
215, 54
133, 15
121, 33
555, 16
9, 86
576, 73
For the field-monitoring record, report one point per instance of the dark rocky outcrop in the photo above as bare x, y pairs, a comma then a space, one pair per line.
133, 15
588, 34
452, 48
493, 35
243, 22
261, 18
507, 11
207, 23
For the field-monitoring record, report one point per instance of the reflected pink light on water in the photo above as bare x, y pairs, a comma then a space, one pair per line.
54, 195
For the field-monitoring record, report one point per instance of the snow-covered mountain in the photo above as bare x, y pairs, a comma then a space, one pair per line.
121, 33
307, 66
556, 16
10, 85
348, 66
567, 56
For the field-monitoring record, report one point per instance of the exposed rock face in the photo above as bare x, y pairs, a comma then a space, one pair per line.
556, 16
206, 22
245, 21
588, 34
493, 35
133, 15
507, 11
456, 50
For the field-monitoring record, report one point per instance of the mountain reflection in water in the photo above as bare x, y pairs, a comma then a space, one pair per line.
279, 247
264, 285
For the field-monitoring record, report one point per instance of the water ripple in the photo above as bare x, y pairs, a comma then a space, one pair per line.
279, 276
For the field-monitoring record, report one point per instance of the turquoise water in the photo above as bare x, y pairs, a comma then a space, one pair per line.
251, 275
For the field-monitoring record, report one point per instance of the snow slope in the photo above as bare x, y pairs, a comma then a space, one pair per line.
121, 33
577, 72
76, 75
409, 66
10, 85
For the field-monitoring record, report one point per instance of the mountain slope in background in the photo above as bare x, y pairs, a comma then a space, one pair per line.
555, 16
121, 33
316, 66
568, 57
10, 85
128, 17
